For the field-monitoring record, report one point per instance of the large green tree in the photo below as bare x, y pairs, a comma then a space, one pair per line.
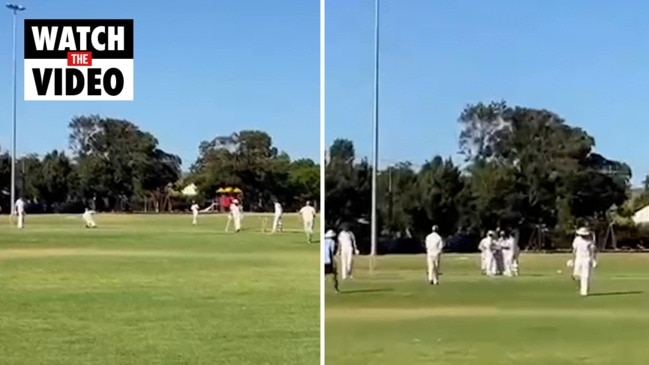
249, 160
524, 168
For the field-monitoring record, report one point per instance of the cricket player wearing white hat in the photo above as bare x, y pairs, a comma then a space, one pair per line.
584, 258
434, 247
328, 252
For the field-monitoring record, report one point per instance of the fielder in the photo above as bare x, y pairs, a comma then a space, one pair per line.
492, 251
20, 213
485, 248
434, 247
88, 218
277, 218
507, 252
235, 216
307, 214
347, 248
584, 259
329, 249
194, 208
516, 251
499, 256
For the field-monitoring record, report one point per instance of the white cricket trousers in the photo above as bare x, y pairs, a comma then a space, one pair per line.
194, 218
89, 221
483, 261
491, 264
308, 226
21, 220
433, 261
508, 263
237, 222
515, 265
277, 222
346, 262
582, 270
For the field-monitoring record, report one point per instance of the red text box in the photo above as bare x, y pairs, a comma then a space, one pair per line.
79, 59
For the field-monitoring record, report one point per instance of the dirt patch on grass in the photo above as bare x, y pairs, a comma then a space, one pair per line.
396, 314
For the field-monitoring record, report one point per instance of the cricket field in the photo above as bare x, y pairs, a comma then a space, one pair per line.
153, 289
393, 316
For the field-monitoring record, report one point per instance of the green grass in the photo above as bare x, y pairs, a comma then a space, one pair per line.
393, 316
156, 290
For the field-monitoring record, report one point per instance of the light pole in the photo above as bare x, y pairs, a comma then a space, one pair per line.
15, 9
375, 143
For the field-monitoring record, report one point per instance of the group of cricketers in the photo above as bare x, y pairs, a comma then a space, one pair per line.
307, 215
499, 255
20, 213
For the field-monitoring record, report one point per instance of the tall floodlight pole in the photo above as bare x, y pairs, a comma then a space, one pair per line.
375, 149
15, 9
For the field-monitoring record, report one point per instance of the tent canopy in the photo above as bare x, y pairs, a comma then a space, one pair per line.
641, 216
190, 190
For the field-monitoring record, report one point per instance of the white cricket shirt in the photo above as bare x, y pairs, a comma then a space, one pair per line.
584, 248
434, 244
308, 213
20, 206
346, 240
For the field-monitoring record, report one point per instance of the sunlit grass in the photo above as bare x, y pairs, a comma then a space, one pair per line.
393, 316
153, 289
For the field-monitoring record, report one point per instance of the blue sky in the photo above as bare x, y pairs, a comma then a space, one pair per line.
584, 59
210, 68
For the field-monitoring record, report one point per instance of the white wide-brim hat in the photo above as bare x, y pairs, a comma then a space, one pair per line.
235, 201
583, 231
491, 233
330, 234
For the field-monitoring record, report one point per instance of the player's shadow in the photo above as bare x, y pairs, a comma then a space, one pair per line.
634, 292
364, 291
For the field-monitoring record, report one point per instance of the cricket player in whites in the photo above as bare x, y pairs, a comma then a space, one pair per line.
485, 251
235, 215
434, 247
507, 251
347, 248
307, 214
194, 208
584, 259
277, 218
88, 219
516, 251
20, 213
329, 249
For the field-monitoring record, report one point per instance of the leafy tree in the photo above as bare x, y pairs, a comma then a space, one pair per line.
249, 160
525, 168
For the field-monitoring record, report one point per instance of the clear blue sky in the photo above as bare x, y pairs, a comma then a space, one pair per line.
210, 68
584, 59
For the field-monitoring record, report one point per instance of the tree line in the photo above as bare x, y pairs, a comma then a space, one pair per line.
113, 165
523, 168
